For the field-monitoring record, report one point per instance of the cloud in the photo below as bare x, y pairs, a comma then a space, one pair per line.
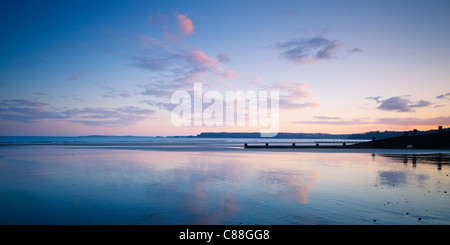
228, 75
395, 104
399, 104
421, 103
184, 66
294, 95
169, 36
308, 50
354, 50
342, 122
108, 117
151, 63
223, 58
114, 93
22, 103
75, 76
200, 59
161, 88
27, 115
444, 96
410, 121
22, 110
161, 105
185, 26
377, 98
326, 118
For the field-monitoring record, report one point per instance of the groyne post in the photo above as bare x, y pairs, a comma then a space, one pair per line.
405, 140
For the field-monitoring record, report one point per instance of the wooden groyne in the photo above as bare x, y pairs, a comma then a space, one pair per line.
293, 145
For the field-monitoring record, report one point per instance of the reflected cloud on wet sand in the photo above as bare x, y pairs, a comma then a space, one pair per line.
68, 185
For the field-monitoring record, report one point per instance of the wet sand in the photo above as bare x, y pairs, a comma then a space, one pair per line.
221, 183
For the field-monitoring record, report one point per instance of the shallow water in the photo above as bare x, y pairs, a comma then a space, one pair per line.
125, 185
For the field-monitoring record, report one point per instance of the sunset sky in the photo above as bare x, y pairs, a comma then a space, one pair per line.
110, 67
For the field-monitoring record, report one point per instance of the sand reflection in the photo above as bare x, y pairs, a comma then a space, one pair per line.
216, 188
64, 185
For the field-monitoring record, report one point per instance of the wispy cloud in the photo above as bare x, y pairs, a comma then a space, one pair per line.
21, 103
21, 110
410, 121
376, 98
162, 105
114, 93
444, 96
326, 118
227, 75
77, 75
108, 116
308, 50
223, 58
354, 50
183, 65
73, 76
294, 95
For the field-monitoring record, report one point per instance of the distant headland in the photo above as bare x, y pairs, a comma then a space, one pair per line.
366, 135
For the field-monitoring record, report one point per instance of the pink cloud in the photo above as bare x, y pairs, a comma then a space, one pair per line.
151, 20
185, 26
200, 58
73, 76
228, 75
169, 36
223, 58
294, 95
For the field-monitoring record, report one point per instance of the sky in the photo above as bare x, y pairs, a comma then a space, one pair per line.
71, 68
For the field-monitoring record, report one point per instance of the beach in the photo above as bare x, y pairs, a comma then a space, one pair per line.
220, 183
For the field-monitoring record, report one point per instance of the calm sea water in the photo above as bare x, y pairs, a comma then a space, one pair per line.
225, 184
